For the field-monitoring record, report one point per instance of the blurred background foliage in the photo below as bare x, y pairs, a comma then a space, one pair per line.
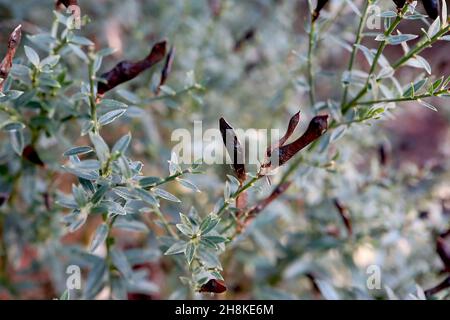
392, 174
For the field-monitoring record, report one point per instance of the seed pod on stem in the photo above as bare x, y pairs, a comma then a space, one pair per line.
127, 70
6, 64
213, 286
432, 8
167, 68
319, 7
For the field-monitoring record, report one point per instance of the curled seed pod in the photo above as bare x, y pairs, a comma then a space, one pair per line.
432, 8
6, 64
167, 68
246, 37
127, 70
29, 153
345, 215
293, 122
234, 149
399, 3
66, 3
319, 7
317, 127
213, 286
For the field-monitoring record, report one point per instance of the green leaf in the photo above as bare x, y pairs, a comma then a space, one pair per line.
99, 237
190, 252
177, 247
78, 151
109, 117
13, 126
98, 195
147, 197
95, 280
17, 141
184, 229
101, 148
121, 263
165, 195
187, 184
32, 56
215, 239
149, 181
399, 38
208, 225
111, 104
122, 144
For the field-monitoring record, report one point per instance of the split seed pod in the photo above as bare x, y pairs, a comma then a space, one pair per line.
214, 286
319, 7
127, 70
6, 64
234, 149
432, 8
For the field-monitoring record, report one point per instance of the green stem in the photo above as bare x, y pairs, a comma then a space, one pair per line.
234, 196
414, 98
381, 47
312, 98
358, 39
92, 95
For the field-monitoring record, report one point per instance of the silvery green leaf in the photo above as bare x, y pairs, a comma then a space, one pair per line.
165, 195
121, 263
122, 144
78, 222
129, 96
132, 225
13, 126
88, 175
426, 104
66, 202
17, 141
14, 94
98, 195
106, 52
189, 185
78, 151
114, 208
399, 38
88, 165
96, 279
51, 61
110, 116
149, 181
190, 252
388, 14
32, 56
424, 64
19, 70
227, 191
99, 237
124, 167
177, 247
126, 193
434, 28
215, 239
81, 41
168, 90
184, 229
86, 127
100, 146
338, 133
413, 88
146, 196
208, 225
446, 38
78, 52
79, 195
111, 104
367, 53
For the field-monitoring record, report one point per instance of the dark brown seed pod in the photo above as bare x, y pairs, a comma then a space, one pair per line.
29, 153
246, 37
234, 149
399, 3
293, 122
213, 286
345, 215
441, 286
127, 70
317, 127
432, 8
6, 64
319, 7
66, 3
443, 250
167, 68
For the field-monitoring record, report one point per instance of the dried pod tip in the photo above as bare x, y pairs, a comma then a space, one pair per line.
319, 7
213, 286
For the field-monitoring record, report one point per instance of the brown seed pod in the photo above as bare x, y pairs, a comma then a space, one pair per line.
167, 68
279, 190
345, 215
66, 3
234, 149
214, 286
432, 8
127, 70
317, 127
6, 64
293, 122
319, 7
399, 3
29, 153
